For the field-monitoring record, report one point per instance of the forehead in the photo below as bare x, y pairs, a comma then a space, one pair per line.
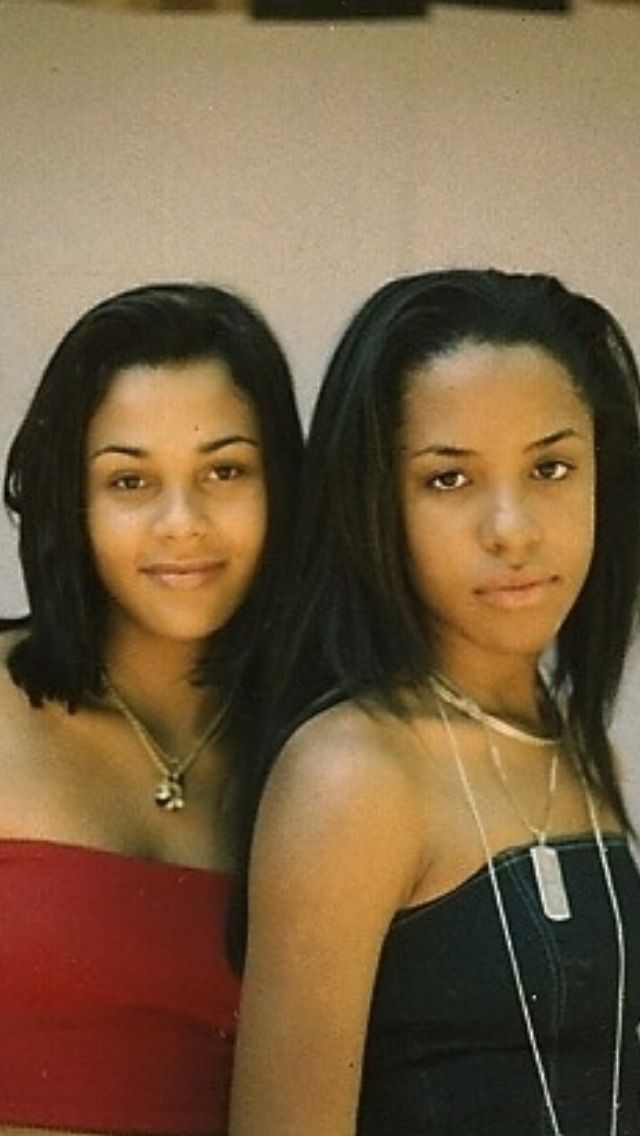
173, 398
493, 390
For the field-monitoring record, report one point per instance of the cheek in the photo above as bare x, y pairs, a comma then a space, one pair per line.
247, 523
429, 562
433, 532
111, 537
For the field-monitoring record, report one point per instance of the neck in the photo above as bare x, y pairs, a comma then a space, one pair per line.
528, 712
508, 689
161, 693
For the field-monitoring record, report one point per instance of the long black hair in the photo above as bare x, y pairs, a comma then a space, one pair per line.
353, 597
61, 655
354, 627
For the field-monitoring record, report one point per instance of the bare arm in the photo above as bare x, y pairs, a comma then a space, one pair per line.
336, 852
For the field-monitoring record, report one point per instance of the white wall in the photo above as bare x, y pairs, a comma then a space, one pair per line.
304, 164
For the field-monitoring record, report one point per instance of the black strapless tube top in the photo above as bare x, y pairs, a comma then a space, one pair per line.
447, 1052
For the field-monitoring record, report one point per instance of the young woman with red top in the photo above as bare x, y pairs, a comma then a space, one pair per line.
444, 915
152, 482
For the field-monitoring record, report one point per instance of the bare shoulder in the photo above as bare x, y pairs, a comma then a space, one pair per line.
343, 790
8, 640
21, 724
25, 727
344, 755
12, 699
339, 846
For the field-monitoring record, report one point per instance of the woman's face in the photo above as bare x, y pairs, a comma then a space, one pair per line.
496, 477
176, 497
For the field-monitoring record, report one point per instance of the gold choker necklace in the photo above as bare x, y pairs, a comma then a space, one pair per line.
169, 794
466, 705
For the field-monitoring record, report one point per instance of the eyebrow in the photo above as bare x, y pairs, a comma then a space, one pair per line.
445, 451
210, 447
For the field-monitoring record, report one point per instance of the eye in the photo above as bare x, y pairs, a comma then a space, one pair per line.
227, 472
447, 480
553, 469
128, 481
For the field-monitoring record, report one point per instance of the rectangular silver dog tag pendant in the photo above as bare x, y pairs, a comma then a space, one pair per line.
551, 889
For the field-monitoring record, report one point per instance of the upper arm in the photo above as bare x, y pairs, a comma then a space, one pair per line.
335, 854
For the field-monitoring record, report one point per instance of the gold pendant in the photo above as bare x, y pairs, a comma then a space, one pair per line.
169, 794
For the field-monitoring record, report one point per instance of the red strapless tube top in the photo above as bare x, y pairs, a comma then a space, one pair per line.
117, 1005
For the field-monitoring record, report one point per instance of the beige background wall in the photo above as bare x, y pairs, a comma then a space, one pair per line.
304, 164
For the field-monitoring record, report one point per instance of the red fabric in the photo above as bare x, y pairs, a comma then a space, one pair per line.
117, 1005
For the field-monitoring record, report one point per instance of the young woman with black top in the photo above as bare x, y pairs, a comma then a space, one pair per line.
444, 915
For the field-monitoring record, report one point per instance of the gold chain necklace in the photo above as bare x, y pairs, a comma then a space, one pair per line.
534, 1045
169, 794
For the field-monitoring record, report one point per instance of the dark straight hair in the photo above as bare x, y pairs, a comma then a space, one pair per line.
61, 655
354, 623
353, 627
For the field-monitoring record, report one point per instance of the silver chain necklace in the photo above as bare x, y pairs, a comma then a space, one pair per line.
510, 945
544, 857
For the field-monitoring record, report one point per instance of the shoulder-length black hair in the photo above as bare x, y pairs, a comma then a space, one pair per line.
61, 656
355, 622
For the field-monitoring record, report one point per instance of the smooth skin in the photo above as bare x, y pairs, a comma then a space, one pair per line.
176, 516
176, 501
364, 814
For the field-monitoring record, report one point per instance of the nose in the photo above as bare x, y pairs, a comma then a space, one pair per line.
179, 514
509, 527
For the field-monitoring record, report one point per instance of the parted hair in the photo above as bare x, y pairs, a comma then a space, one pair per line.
61, 655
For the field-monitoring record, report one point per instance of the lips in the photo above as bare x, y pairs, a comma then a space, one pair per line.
515, 592
182, 575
